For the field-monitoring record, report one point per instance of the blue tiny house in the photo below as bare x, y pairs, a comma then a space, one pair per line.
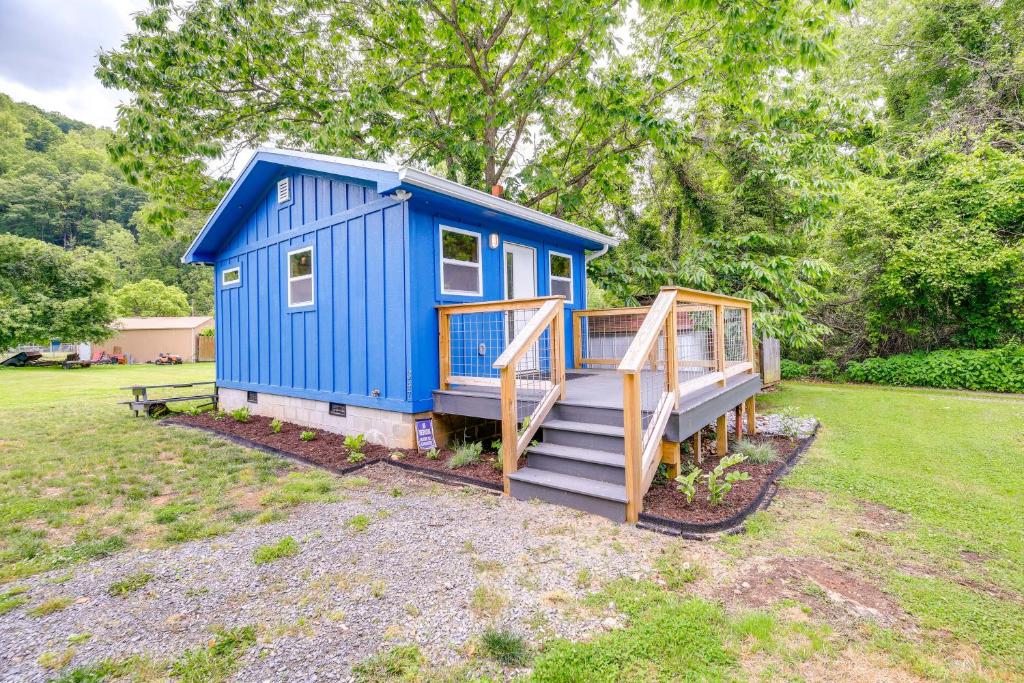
329, 271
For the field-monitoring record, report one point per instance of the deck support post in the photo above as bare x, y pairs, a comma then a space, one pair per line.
558, 351
670, 455
751, 408
722, 434
739, 421
698, 448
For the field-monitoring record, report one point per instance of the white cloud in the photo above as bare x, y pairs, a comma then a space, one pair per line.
48, 53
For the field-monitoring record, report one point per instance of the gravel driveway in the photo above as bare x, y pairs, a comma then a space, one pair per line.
413, 576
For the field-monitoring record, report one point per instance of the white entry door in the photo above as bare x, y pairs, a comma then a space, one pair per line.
520, 283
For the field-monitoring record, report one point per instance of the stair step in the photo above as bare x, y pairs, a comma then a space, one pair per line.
590, 463
585, 427
592, 455
600, 498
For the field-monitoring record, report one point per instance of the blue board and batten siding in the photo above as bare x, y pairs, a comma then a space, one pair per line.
351, 345
370, 337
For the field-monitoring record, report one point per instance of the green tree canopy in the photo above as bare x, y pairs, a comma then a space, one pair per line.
150, 298
47, 293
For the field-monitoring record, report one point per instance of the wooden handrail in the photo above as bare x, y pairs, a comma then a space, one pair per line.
696, 296
647, 335
499, 305
534, 327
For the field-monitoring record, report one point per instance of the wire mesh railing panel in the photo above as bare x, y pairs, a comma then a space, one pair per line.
653, 383
695, 341
606, 338
735, 335
475, 342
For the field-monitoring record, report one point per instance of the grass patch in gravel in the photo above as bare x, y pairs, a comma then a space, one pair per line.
488, 601
102, 481
286, 547
358, 523
50, 606
130, 584
669, 638
12, 599
504, 647
218, 660
400, 663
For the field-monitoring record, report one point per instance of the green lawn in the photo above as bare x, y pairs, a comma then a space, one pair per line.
81, 478
953, 464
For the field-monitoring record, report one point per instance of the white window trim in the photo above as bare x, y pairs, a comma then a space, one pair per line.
571, 279
479, 265
312, 273
224, 273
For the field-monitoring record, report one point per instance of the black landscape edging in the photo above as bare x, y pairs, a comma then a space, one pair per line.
438, 475
733, 524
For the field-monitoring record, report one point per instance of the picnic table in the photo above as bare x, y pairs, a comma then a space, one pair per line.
142, 401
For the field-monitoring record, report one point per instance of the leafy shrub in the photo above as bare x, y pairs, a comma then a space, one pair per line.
307, 435
790, 369
240, 414
688, 484
719, 482
504, 647
824, 369
757, 453
355, 443
983, 370
355, 457
275, 426
466, 454
286, 547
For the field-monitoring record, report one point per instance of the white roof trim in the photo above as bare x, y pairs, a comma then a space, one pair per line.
432, 182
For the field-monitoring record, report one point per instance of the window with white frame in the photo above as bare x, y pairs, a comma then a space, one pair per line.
300, 277
560, 269
461, 270
231, 276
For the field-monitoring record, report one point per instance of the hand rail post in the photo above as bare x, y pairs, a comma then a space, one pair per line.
577, 339
509, 426
720, 342
671, 360
444, 347
633, 437
749, 315
558, 351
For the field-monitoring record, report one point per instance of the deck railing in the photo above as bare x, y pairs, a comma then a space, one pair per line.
516, 347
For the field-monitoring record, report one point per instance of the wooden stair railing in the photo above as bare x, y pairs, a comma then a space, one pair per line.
642, 446
549, 317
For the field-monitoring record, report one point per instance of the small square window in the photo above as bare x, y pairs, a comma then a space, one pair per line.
231, 276
461, 272
560, 272
251, 396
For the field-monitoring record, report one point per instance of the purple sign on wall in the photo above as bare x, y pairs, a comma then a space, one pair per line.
425, 434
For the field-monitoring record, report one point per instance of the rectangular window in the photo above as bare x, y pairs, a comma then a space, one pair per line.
231, 276
300, 277
460, 262
560, 266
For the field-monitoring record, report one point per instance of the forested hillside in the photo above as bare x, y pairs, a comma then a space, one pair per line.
59, 187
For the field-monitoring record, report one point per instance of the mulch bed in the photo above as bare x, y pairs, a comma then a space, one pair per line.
328, 449
666, 509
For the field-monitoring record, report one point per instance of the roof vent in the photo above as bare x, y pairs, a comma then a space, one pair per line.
284, 191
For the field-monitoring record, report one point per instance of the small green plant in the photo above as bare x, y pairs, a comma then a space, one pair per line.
358, 523
397, 455
240, 414
286, 547
275, 426
496, 445
355, 457
217, 660
505, 647
13, 598
466, 454
396, 492
719, 482
130, 584
432, 454
757, 453
497, 464
50, 606
400, 663
355, 443
307, 435
688, 484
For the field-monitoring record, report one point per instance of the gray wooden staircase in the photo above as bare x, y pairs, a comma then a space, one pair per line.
578, 462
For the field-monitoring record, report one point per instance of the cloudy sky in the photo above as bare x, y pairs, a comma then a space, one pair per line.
48, 53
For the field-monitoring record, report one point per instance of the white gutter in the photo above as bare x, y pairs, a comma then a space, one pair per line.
596, 254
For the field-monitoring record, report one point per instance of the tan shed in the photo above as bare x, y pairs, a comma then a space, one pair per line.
144, 339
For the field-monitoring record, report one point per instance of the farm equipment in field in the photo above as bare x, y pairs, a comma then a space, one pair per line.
21, 359
157, 407
167, 359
